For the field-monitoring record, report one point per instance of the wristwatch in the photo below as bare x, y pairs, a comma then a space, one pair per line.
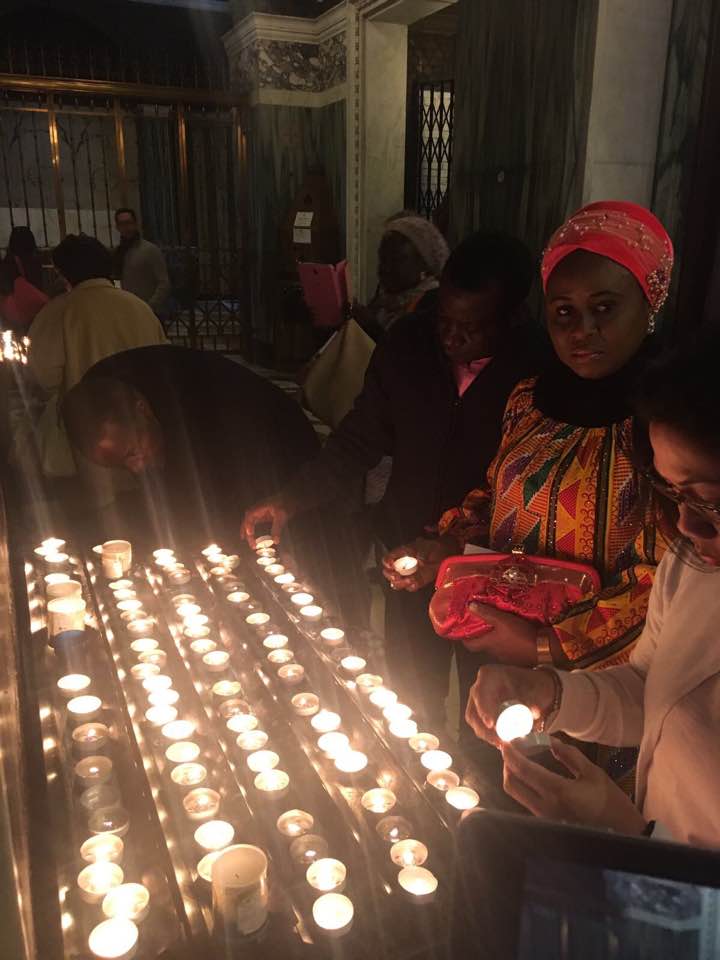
544, 653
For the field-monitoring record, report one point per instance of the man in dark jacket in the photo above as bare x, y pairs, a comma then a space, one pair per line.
433, 400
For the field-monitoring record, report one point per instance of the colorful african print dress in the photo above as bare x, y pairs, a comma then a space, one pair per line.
570, 492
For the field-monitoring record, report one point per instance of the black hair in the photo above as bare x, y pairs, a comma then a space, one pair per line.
486, 258
94, 402
22, 246
125, 210
8, 275
79, 257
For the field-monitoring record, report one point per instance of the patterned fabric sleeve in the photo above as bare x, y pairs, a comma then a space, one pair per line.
602, 632
469, 522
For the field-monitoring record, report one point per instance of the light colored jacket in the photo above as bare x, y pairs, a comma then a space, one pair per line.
666, 700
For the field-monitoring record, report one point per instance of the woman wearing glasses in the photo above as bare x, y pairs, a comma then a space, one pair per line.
667, 698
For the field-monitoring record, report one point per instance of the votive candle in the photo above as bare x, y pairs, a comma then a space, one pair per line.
294, 823
305, 704
130, 901
183, 751
97, 879
214, 835
114, 939
102, 847
201, 803
326, 875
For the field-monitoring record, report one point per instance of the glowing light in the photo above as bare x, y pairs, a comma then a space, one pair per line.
326, 721
272, 781
397, 711
73, 683
406, 566
90, 737
214, 835
262, 760
82, 708
418, 881
238, 596
103, 846
302, 599
160, 715
189, 774
462, 798
378, 800
130, 901
252, 740
333, 911
227, 688
291, 673
423, 741
97, 879
305, 704
367, 682
258, 619
184, 751
202, 646
436, 760
333, 636
514, 720
351, 761
443, 780
382, 697
114, 939
294, 823
201, 803
408, 853
274, 641
93, 770
144, 645
281, 656
178, 730
326, 875
333, 744
311, 612
216, 661
403, 729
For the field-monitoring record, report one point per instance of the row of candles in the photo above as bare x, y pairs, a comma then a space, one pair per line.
101, 881
332, 743
326, 876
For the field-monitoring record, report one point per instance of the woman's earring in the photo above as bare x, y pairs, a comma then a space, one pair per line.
651, 325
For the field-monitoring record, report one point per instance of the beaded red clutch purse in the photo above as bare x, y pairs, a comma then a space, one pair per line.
540, 589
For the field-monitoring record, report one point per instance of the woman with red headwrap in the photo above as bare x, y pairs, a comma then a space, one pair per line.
562, 484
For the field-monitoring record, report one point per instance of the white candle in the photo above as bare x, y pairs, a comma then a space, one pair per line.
102, 847
240, 890
333, 636
118, 584
242, 722
216, 661
408, 853
205, 864
226, 688
56, 559
294, 823
69, 588
156, 657
96, 879
311, 612
189, 774
184, 751
230, 707
284, 578
159, 698
353, 665
51, 578
92, 770
141, 671
131, 616
367, 682
211, 549
462, 798
163, 553
305, 704
252, 740
381, 697
114, 939
308, 848
333, 911
84, 707
333, 744
291, 674
281, 656
393, 829
65, 613
436, 760
180, 598
274, 569
351, 761
423, 741
301, 599
138, 628
403, 729
218, 571
156, 681
238, 596
197, 633
515, 720
258, 619
131, 901
52, 544
325, 721
397, 711
179, 577
417, 881
406, 566
131, 604
73, 684
202, 646
90, 737
214, 835
125, 594
378, 800
272, 781
144, 645
116, 558
275, 641
178, 730
443, 780
262, 760
201, 803
265, 561
160, 715
326, 875
264, 543
188, 609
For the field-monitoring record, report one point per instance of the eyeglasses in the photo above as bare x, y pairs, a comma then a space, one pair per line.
709, 511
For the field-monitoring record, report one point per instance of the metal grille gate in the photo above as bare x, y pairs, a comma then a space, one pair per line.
435, 103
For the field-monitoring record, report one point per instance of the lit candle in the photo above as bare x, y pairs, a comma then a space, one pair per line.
178, 729
406, 566
302, 599
163, 553
378, 800
197, 633
462, 798
96, 879
141, 671
258, 619
284, 578
443, 780
159, 697
515, 720
113, 820
325, 721
144, 645
393, 829
131, 901
311, 612
52, 545
69, 588
51, 578
201, 803
326, 875
184, 751
54, 560
139, 628
73, 684
120, 584
262, 760
226, 688
114, 939
351, 761
160, 715
189, 774
205, 865
397, 711
238, 597
188, 609
157, 657
291, 674
305, 704
367, 682
333, 744
181, 598
265, 561
202, 646
96, 798
83, 708
272, 781
417, 881
214, 835
264, 543
408, 853
333, 911
252, 740
65, 613
353, 665
116, 558
403, 729
275, 641
102, 847
218, 571
92, 770
216, 661
230, 707
436, 760
131, 604
333, 636
423, 741
281, 656
295, 823
381, 697
240, 890
131, 616
90, 737
211, 549
274, 569
179, 577
242, 722
157, 681
125, 594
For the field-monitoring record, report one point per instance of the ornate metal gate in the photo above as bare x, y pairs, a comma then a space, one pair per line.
434, 103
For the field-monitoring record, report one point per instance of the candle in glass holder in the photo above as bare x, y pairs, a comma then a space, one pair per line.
514, 720
131, 901
216, 661
93, 770
305, 704
144, 645
214, 835
443, 780
351, 761
462, 798
163, 553
242, 722
52, 545
308, 848
183, 751
291, 674
326, 875
275, 641
102, 847
189, 774
393, 829
238, 597
141, 627
114, 939
403, 729
226, 688
159, 697
202, 803
205, 864
84, 707
333, 744
301, 599
97, 879
262, 760
100, 797
378, 800
325, 721
258, 619
408, 853
141, 671
333, 912
240, 891
233, 706
90, 737
281, 656
353, 665
252, 740
294, 823
333, 636
127, 593
116, 558
115, 820
160, 715
264, 543
272, 781
188, 609
203, 646
178, 729
197, 633
436, 760
179, 577
367, 682
423, 741
65, 613
56, 560
284, 578
73, 684
418, 881
405, 566
382, 698
311, 612
274, 569
68, 588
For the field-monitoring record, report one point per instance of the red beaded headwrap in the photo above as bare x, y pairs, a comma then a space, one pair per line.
624, 232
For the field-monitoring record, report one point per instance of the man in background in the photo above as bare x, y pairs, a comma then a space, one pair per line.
139, 264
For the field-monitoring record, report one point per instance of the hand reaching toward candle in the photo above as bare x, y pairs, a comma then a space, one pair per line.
429, 555
274, 511
496, 685
589, 797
